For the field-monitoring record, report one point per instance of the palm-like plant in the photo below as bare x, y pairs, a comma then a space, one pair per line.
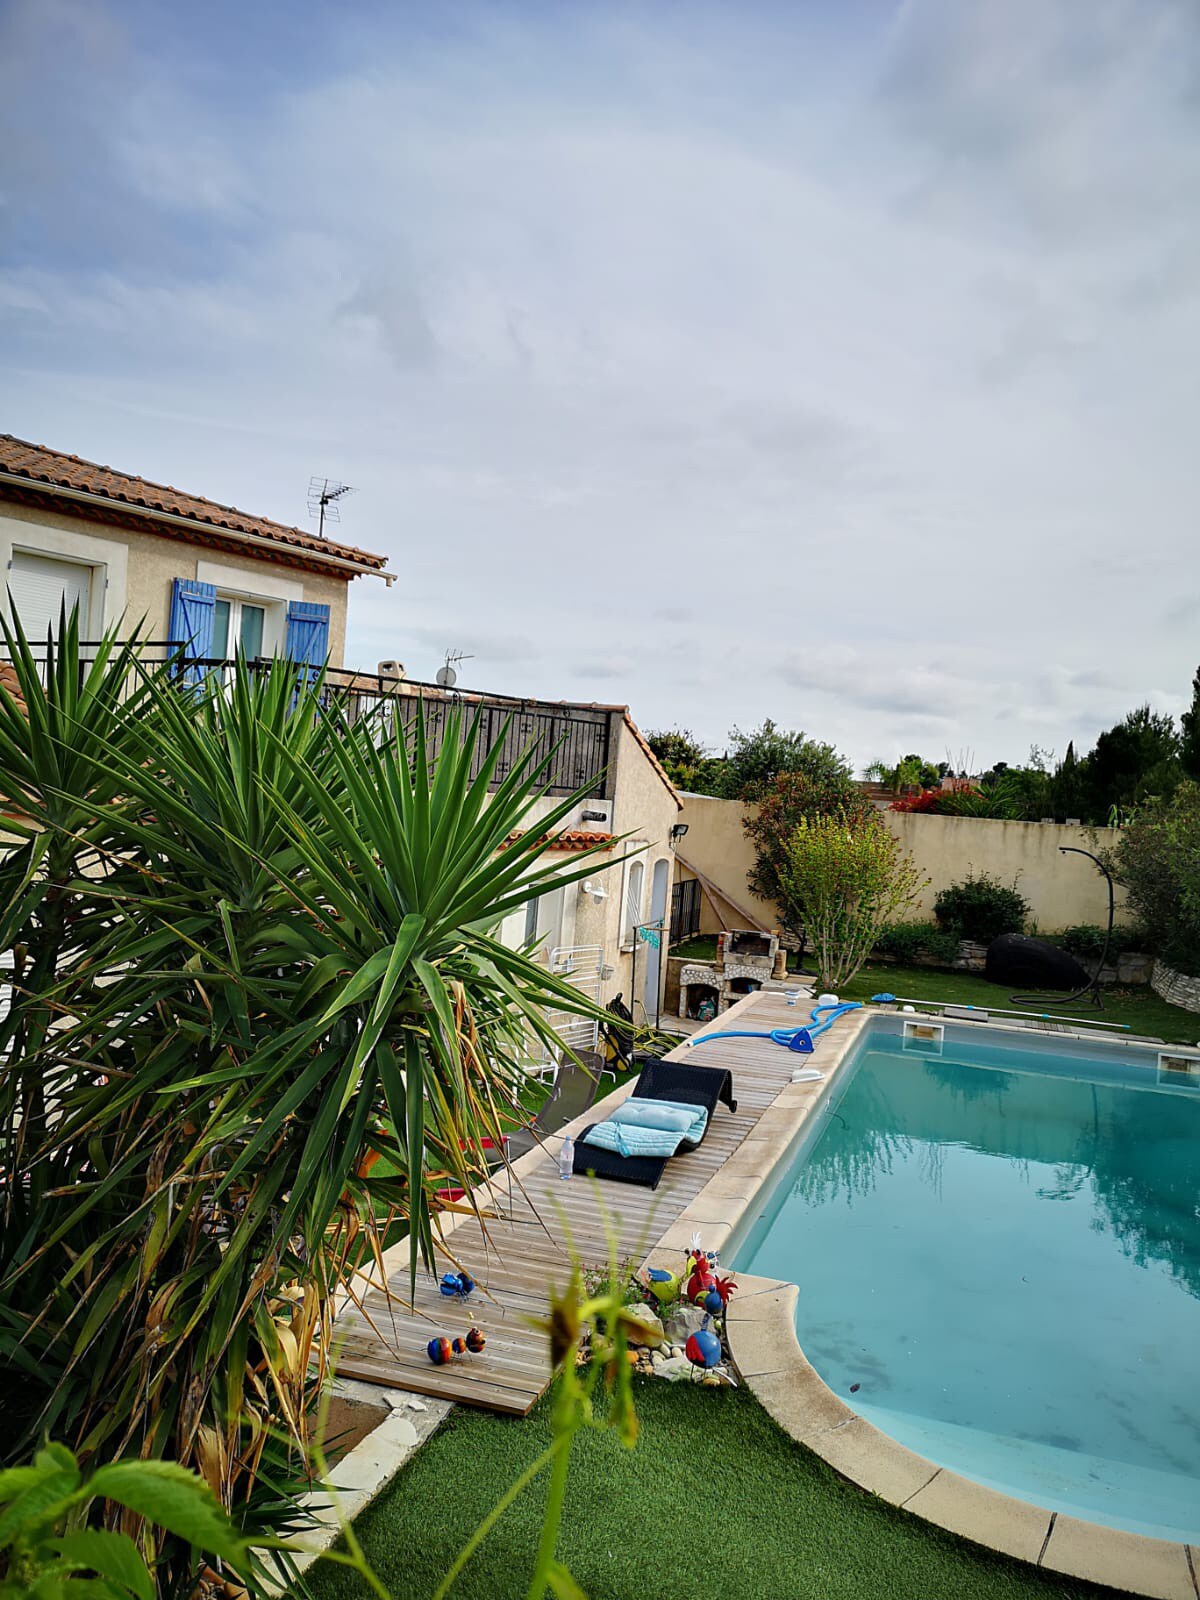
287, 961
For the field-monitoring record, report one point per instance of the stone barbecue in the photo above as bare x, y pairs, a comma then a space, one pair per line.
746, 960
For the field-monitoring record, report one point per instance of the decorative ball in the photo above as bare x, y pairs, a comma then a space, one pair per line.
713, 1303
459, 1346
475, 1340
703, 1348
439, 1351
466, 1284
449, 1283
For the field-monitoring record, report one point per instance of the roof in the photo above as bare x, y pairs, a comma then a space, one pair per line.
47, 470
569, 839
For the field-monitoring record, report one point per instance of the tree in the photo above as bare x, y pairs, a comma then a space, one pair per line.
1068, 787
910, 772
793, 798
687, 762
251, 948
757, 758
1158, 860
1136, 759
844, 880
1189, 722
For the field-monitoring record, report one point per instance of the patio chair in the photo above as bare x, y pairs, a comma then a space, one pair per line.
574, 1090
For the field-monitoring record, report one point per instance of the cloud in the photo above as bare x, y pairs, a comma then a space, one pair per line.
831, 364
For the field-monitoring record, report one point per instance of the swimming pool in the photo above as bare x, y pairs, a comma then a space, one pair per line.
997, 1245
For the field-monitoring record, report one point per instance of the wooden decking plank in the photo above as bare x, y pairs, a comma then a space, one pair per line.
516, 1258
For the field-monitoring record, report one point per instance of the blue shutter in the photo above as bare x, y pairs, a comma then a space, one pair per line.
191, 626
307, 632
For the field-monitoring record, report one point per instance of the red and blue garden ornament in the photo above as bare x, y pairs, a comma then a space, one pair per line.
703, 1348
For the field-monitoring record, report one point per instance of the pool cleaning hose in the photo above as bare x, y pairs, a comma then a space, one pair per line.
800, 1039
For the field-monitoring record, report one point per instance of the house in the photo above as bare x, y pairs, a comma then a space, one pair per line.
189, 570
210, 579
607, 934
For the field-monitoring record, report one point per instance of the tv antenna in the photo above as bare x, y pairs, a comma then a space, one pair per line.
447, 677
323, 497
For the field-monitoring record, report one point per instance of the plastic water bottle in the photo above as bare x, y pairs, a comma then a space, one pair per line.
566, 1158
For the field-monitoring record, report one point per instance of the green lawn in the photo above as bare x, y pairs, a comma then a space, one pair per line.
714, 1500
1140, 1008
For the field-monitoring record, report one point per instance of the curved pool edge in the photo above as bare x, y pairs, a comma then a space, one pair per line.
766, 1350
762, 1338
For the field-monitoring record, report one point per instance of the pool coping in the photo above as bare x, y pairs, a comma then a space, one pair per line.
766, 1350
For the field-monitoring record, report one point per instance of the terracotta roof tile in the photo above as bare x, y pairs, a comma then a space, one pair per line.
570, 839
54, 469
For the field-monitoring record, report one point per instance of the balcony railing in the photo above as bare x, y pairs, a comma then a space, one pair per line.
576, 740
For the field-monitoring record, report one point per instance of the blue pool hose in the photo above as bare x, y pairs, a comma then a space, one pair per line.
799, 1039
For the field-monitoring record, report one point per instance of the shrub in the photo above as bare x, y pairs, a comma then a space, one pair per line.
1158, 861
981, 908
910, 941
844, 880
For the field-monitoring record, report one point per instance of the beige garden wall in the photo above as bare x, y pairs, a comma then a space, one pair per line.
1061, 890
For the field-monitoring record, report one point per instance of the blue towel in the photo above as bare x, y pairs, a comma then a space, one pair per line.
635, 1139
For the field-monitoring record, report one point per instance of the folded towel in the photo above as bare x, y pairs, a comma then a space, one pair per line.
628, 1139
672, 1115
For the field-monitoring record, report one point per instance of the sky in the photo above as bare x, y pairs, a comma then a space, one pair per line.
831, 362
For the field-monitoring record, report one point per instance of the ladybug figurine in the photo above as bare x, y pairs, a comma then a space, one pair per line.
442, 1350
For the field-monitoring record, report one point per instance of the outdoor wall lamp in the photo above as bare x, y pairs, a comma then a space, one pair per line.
677, 832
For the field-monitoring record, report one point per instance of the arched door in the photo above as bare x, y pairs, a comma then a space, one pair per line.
660, 888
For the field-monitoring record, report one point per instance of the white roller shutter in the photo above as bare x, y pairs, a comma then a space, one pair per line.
39, 586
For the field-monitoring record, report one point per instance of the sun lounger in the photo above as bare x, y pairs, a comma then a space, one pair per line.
667, 1082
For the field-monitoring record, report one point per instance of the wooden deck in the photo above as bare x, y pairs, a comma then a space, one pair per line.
522, 1255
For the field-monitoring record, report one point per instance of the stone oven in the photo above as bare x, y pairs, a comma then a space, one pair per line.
746, 960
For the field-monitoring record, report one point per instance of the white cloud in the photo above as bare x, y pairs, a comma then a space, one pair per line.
834, 371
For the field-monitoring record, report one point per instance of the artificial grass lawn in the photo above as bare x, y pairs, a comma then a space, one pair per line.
1140, 1008
713, 1500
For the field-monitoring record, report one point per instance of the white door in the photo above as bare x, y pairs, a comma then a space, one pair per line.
40, 586
659, 884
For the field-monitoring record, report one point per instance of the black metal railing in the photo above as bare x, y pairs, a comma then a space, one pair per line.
575, 741
152, 654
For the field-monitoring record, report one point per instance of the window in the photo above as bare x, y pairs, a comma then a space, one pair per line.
633, 902
40, 587
237, 625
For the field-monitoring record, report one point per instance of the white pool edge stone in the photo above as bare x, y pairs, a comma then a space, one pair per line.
767, 1353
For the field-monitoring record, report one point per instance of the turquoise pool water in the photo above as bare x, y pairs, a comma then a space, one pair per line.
1000, 1247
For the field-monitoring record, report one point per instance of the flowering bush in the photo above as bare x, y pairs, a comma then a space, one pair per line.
843, 880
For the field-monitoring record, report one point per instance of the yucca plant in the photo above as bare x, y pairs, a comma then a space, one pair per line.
290, 964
